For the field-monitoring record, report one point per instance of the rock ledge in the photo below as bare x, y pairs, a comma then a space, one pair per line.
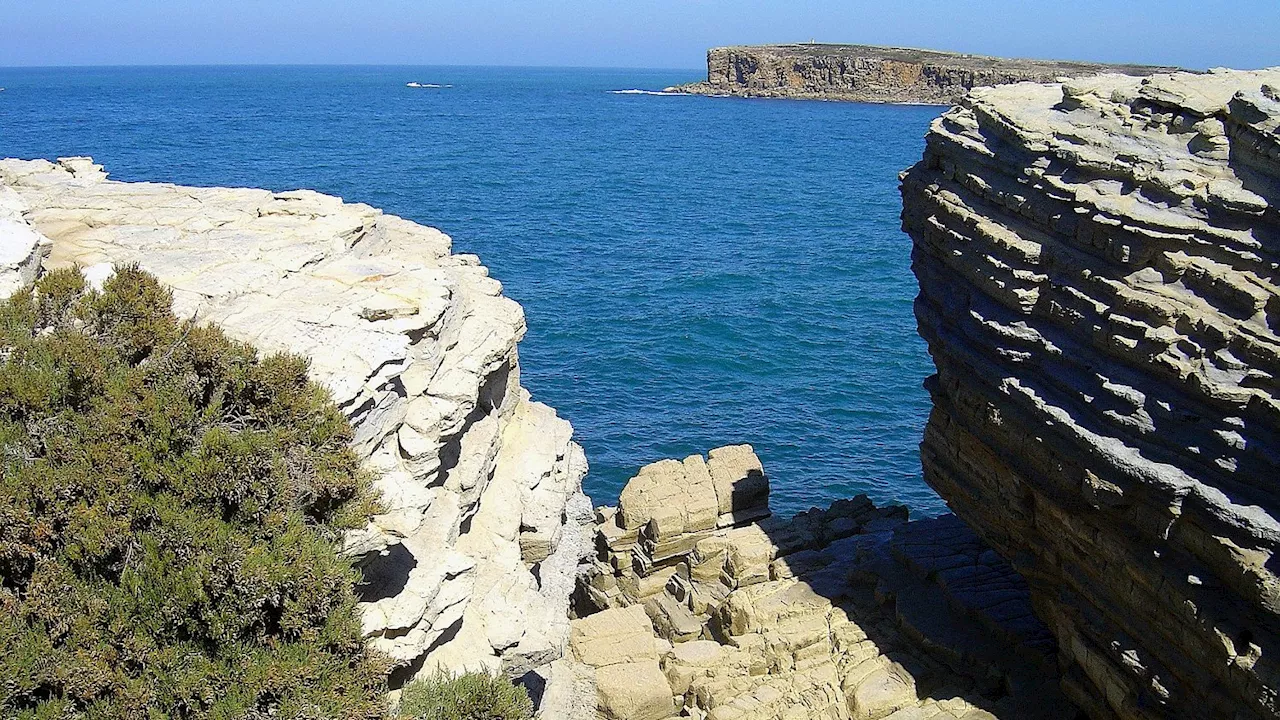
700, 604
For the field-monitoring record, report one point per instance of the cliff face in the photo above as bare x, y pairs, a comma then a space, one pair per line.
864, 73
473, 561
1100, 292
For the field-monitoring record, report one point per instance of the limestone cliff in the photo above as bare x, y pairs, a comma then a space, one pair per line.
1100, 291
472, 562
867, 73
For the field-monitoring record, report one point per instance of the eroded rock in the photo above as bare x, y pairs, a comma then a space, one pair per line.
1100, 293
22, 248
868, 73
846, 613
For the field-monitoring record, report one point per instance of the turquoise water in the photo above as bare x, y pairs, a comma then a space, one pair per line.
695, 271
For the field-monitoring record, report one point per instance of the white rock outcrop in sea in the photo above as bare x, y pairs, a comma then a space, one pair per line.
1099, 268
472, 563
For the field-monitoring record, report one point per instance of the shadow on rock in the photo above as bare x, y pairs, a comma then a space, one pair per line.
701, 604
386, 574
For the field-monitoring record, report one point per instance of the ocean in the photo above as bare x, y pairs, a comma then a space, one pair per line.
695, 271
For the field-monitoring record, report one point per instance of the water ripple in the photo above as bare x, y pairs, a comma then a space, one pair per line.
695, 271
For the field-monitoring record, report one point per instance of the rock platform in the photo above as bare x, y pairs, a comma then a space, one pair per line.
700, 604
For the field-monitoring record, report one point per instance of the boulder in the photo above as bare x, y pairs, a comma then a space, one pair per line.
620, 635
633, 691
742, 488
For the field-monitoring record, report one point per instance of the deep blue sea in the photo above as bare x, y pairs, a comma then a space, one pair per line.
695, 271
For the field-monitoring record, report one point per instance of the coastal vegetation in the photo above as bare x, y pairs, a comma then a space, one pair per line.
170, 512
472, 696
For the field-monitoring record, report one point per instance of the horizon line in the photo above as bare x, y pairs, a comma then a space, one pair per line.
341, 64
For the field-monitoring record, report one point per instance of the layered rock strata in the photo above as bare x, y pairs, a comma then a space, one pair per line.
867, 73
1100, 291
702, 605
472, 562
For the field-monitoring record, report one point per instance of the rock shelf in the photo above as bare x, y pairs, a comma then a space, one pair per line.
700, 604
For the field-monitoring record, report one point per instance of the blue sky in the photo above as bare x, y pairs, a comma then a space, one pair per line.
622, 33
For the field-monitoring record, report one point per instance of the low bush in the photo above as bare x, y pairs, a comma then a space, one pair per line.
474, 696
170, 510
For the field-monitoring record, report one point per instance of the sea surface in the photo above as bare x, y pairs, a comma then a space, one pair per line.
695, 271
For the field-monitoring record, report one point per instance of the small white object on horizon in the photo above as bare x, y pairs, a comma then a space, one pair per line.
643, 92
426, 85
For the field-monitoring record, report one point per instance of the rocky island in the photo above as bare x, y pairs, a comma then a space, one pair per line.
869, 73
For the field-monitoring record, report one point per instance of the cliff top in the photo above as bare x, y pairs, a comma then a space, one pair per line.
940, 57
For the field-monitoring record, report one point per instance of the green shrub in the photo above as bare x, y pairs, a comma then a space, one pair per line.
170, 509
474, 696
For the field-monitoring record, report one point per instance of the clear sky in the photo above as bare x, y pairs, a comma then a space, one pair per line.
623, 33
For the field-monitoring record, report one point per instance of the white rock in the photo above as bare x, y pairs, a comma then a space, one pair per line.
22, 248
418, 348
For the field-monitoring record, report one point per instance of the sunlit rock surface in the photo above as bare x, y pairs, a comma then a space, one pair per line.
472, 562
700, 604
22, 249
1100, 293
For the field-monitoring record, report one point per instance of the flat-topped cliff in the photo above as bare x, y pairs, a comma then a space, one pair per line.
472, 560
1099, 268
868, 73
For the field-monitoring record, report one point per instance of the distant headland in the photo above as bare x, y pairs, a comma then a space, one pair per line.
868, 73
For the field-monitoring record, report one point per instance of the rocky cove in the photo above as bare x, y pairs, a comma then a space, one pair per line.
1096, 262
